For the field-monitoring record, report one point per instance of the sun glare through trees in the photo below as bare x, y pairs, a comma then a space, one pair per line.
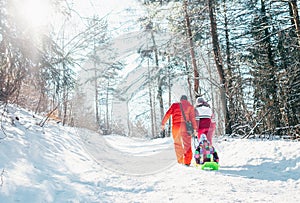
32, 13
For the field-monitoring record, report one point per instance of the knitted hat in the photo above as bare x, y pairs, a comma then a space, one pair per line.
203, 138
199, 101
183, 97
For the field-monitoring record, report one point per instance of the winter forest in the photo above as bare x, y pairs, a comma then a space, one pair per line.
118, 72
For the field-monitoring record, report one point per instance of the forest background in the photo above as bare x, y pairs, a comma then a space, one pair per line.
243, 56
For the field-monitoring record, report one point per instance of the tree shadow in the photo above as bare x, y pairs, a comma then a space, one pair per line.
268, 170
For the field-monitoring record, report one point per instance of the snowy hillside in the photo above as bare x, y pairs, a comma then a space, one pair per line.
63, 164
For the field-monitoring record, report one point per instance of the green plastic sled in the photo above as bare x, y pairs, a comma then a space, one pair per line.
209, 166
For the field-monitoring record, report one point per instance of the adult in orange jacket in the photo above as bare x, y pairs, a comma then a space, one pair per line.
182, 140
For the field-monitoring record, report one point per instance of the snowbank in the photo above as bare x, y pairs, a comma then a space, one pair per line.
63, 164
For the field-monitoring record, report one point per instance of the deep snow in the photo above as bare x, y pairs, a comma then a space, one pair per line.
64, 164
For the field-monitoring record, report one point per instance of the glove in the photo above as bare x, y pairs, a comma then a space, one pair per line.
162, 133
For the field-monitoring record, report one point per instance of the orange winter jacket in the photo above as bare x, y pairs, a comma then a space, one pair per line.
176, 114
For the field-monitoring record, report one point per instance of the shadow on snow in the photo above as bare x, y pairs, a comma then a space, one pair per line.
268, 170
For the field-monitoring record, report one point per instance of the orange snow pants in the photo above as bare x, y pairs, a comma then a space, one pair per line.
182, 144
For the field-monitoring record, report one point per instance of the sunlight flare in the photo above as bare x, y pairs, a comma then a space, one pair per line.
33, 13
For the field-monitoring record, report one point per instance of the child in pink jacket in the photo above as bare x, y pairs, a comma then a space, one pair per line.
204, 117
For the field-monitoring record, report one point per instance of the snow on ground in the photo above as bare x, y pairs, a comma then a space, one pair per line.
63, 164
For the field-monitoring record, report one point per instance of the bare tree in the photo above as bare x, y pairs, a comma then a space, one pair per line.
192, 49
295, 17
219, 63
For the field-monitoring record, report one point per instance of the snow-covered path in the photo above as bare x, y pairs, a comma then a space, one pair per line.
251, 171
130, 156
62, 164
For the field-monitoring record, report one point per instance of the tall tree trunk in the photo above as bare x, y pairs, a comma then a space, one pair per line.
294, 11
294, 73
39, 102
96, 88
96, 99
159, 83
170, 95
128, 119
150, 100
189, 83
219, 64
272, 83
192, 49
229, 90
65, 96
